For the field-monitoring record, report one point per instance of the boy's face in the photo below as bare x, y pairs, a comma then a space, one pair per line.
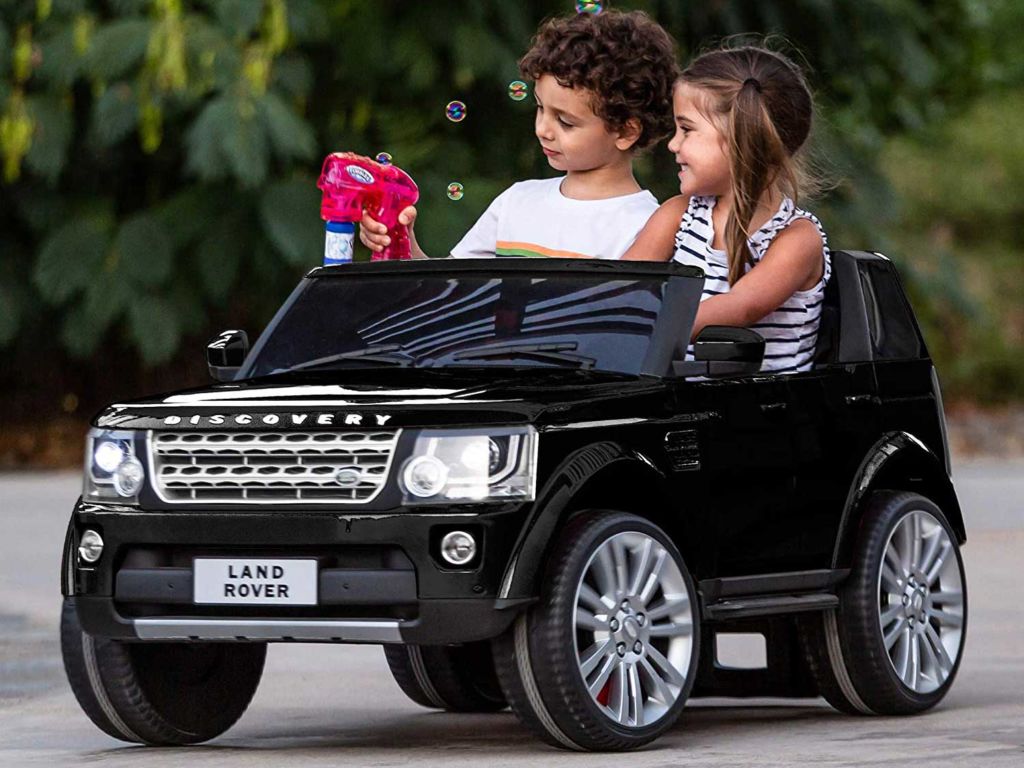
698, 146
571, 136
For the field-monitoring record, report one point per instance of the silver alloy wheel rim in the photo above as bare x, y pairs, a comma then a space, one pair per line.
634, 616
921, 602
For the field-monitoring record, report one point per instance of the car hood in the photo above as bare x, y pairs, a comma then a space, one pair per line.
390, 398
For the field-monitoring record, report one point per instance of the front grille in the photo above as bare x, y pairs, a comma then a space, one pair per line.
296, 467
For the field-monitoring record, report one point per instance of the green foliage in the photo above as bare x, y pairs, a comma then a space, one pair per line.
115, 114
117, 48
144, 250
242, 16
288, 211
10, 312
220, 254
51, 115
70, 258
958, 230
155, 327
160, 157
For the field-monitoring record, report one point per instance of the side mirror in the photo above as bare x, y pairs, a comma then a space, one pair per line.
721, 350
226, 353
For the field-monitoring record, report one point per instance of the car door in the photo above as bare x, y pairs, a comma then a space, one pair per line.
746, 471
834, 422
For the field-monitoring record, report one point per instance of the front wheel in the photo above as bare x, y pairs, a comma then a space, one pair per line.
607, 659
159, 693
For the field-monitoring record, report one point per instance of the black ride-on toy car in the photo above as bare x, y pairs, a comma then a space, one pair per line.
505, 472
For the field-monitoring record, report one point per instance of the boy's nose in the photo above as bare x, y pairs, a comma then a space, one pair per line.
542, 128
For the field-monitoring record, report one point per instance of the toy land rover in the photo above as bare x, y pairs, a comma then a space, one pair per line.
509, 474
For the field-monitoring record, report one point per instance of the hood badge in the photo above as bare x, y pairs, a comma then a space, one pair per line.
282, 419
348, 477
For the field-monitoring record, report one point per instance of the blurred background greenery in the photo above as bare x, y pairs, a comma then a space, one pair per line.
158, 161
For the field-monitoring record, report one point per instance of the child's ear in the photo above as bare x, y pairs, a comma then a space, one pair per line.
629, 134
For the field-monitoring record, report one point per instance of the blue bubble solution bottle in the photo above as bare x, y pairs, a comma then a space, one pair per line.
339, 242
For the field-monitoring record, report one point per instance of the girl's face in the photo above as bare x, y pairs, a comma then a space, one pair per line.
571, 136
699, 147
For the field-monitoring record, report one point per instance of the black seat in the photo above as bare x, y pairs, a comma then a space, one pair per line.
826, 351
843, 333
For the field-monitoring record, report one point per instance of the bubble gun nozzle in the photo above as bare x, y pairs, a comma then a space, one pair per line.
352, 183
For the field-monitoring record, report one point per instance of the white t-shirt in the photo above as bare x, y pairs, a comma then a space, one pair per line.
533, 218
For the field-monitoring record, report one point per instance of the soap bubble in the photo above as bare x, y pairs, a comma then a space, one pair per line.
456, 111
384, 158
589, 6
517, 90
455, 191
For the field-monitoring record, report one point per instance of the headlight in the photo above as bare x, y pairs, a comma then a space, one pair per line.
108, 455
425, 476
112, 470
471, 465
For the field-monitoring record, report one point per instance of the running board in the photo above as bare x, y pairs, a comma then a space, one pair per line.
761, 585
743, 608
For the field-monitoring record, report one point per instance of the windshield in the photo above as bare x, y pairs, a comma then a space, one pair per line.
572, 321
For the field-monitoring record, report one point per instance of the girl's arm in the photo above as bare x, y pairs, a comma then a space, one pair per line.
657, 239
792, 263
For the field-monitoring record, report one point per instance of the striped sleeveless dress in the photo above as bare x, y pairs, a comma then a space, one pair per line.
791, 331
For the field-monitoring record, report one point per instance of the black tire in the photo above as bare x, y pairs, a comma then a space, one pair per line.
833, 682
458, 678
165, 694
537, 659
846, 648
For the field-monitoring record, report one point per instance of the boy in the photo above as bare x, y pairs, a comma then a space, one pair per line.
603, 86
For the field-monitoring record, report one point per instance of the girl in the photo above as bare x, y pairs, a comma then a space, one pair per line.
741, 116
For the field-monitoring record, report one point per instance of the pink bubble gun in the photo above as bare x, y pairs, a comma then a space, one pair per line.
352, 183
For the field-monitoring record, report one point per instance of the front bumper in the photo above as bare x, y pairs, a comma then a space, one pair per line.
380, 575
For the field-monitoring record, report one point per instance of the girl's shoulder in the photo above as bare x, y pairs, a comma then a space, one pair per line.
681, 209
669, 214
675, 206
801, 234
796, 226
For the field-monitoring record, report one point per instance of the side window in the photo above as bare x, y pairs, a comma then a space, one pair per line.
894, 335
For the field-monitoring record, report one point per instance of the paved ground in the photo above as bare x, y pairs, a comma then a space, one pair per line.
326, 705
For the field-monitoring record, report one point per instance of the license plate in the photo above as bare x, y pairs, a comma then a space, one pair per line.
245, 581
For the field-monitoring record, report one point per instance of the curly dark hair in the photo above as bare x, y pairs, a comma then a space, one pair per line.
626, 60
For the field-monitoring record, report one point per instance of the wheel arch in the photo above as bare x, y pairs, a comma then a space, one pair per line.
899, 461
67, 567
602, 475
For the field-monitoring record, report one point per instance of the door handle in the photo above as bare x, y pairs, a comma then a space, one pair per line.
774, 407
863, 400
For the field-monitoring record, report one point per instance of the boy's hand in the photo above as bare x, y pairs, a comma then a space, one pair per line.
374, 235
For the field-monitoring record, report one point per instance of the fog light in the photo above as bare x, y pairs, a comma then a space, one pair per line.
458, 547
90, 547
129, 477
425, 476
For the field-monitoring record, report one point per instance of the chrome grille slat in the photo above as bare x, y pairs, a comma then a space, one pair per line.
257, 448
240, 467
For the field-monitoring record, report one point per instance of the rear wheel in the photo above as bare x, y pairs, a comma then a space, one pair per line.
607, 659
159, 693
894, 645
459, 678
